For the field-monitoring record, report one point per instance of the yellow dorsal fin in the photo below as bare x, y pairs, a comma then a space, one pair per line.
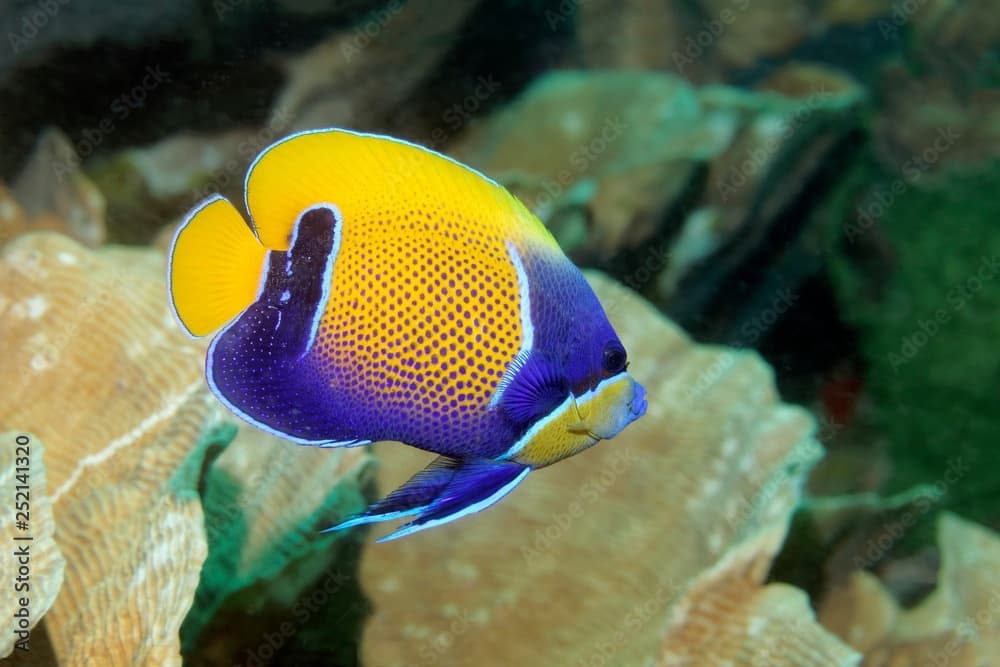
367, 174
214, 267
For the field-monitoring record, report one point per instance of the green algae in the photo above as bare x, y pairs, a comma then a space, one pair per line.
286, 588
926, 312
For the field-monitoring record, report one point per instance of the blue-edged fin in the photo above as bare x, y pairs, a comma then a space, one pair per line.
534, 389
446, 490
214, 268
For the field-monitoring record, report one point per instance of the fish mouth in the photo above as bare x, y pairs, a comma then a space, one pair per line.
637, 406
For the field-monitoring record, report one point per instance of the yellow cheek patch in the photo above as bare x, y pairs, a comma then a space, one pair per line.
553, 438
577, 423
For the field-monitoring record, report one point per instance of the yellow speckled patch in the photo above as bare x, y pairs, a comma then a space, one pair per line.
424, 308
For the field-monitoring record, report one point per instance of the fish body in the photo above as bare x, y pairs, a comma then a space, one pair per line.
383, 291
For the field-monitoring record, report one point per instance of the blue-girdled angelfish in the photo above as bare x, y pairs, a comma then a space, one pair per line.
382, 291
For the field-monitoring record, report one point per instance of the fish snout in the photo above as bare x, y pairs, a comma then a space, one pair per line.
637, 406
621, 403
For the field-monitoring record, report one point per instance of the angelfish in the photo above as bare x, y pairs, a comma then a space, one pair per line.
383, 291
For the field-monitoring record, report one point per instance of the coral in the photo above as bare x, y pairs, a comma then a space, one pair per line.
354, 77
53, 193
957, 625
674, 192
642, 34
745, 32
265, 502
101, 373
727, 618
148, 187
22, 480
606, 173
589, 559
925, 124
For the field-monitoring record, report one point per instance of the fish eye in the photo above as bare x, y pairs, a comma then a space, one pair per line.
615, 360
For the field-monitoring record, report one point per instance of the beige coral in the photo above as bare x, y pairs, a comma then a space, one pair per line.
56, 194
101, 373
588, 560
37, 576
957, 625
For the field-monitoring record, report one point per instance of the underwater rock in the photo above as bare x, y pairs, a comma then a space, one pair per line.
355, 77
741, 33
728, 618
587, 561
38, 576
56, 195
638, 34
600, 174
679, 192
150, 187
265, 502
957, 40
101, 373
750, 237
957, 625
926, 125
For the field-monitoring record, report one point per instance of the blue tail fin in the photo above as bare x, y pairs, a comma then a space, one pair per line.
445, 490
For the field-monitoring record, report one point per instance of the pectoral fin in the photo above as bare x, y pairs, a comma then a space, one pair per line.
445, 490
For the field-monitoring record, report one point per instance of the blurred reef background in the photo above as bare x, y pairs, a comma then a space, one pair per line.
790, 210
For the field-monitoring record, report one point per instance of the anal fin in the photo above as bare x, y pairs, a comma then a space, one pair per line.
446, 490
